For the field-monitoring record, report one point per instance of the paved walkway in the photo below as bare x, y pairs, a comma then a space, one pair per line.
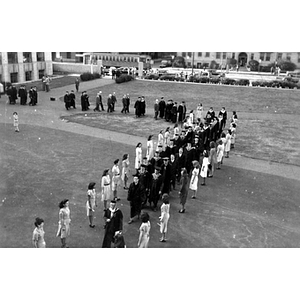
48, 114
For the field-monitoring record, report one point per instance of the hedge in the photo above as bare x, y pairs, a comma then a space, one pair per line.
89, 76
277, 84
124, 78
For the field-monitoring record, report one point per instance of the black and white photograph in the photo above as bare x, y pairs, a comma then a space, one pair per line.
173, 132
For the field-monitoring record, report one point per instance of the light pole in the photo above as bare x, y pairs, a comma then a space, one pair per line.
193, 63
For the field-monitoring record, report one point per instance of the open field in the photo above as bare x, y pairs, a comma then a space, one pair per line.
269, 119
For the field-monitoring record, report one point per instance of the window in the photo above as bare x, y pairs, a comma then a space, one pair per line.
279, 55
207, 54
183, 54
252, 56
268, 56
28, 75
69, 55
199, 54
27, 57
288, 56
189, 54
41, 73
40, 56
218, 55
262, 55
12, 58
233, 55
13, 77
224, 55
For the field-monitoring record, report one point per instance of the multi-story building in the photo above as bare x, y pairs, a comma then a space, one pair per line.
200, 59
24, 66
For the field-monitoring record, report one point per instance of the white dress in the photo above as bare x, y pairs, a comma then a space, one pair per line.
92, 194
220, 152
194, 179
199, 112
138, 157
164, 217
150, 149
204, 167
227, 142
233, 132
105, 184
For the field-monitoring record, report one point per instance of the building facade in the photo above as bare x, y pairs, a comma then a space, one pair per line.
201, 59
18, 67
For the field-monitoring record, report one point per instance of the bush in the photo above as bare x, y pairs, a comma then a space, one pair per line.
124, 78
204, 79
266, 69
276, 84
228, 81
287, 66
215, 80
152, 76
243, 82
179, 78
89, 76
167, 77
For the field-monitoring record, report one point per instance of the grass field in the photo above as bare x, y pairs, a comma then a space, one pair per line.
269, 119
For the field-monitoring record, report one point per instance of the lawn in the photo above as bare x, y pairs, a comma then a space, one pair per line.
268, 126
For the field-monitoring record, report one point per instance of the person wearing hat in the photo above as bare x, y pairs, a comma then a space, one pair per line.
144, 181
113, 223
194, 178
166, 176
155, 185
91, 203
116, 179
135, 198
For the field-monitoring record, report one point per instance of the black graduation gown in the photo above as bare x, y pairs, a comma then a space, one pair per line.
135, 199
137, 107
162, 106
115, 224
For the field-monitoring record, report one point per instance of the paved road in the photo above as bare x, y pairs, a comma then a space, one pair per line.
48, 114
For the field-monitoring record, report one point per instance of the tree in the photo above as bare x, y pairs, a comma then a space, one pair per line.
179, 62
253, 64
231, 62
213, 65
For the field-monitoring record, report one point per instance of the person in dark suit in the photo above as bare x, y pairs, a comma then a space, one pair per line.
180, 113
67, 100
174, 166
114, 100
22, 93
113, 223
166, 176
135, 198
189, 153
137, 107
72, 99
143, 106
144, 181
155, 192
223, 116
181, 162
162, 106
174, 113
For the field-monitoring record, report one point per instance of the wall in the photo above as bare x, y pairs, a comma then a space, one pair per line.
74, 68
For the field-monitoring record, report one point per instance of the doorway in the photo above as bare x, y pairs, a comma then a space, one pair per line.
242, 59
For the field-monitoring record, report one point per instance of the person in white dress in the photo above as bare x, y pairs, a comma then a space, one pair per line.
160, 140
204, 167
125, 170
220, 153
166, 138
150, 148
233, 134
194, 178
145, 227
38, 234
199, 112
91, 203
228, 143
116, 179
105, 188
176, 130
138, 156
164, 217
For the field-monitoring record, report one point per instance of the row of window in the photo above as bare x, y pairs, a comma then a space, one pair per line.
28, 76
115, 58
12, 57
263, 56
